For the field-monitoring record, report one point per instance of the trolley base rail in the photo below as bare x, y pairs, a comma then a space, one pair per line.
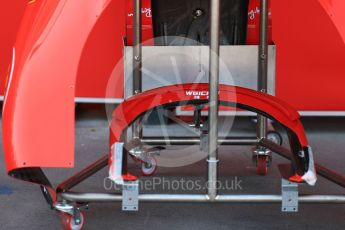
195, 198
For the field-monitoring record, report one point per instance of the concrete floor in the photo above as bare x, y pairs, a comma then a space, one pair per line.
23, 207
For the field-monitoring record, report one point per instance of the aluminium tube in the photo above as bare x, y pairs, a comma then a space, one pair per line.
263, 63
137, 62
213, 103
193, 198
196, 140
137, 49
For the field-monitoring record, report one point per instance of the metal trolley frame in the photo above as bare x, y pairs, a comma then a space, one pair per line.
72, 202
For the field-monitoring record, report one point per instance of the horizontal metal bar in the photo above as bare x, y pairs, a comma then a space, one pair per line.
95, 100
251, 114
196, 141
108, 197
322, 113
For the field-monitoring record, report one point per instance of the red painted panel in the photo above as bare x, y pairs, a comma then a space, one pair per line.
254, 22
102, 52
310, 55
310, 49
335, 10
11, 13
38, 112
147, 29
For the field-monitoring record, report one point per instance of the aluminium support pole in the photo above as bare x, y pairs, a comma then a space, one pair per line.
213, 101
137, 61
263, 63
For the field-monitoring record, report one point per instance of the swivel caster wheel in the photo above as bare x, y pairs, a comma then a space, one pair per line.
69, 223
149, 166
262, 163
275, 137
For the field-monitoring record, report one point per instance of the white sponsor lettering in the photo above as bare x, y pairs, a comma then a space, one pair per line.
145, 11
252, 13
197, 93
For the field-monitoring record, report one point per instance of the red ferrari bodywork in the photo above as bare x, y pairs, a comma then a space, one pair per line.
63, 41
309, 35
128, 111
38, 113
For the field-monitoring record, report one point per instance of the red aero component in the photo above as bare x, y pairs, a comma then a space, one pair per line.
132, 108
128, 111
38, 111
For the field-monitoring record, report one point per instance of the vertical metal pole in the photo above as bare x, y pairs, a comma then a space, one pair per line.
213, 101
137, 61
263, 63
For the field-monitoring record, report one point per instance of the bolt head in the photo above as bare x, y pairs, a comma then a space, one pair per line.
198, 13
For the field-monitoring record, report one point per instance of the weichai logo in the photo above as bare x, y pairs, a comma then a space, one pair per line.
197, 93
